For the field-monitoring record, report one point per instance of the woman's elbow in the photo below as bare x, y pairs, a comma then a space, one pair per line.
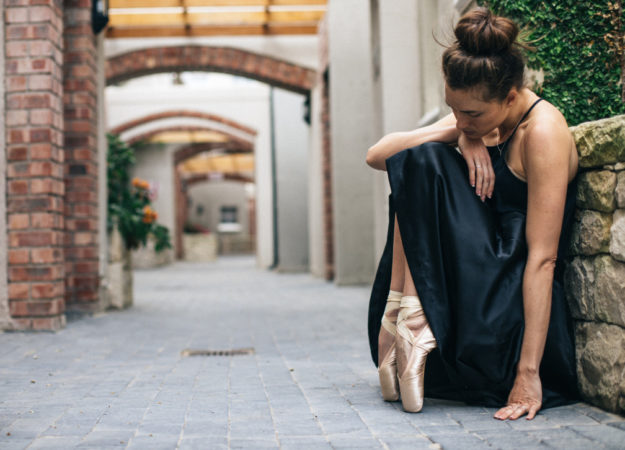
543, 263
374, 160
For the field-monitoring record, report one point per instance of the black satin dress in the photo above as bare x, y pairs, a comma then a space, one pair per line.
467, 260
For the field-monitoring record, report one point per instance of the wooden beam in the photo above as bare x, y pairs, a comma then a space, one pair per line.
216, 18
231, 30
193, 3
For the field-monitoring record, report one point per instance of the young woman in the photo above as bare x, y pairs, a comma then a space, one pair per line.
471, 276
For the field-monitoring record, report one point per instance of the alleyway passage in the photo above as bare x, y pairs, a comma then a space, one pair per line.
119, 379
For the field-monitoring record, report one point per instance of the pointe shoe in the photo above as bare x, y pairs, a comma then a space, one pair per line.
414, 340
387, 368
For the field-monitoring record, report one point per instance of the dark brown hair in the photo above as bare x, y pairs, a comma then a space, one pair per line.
485, 55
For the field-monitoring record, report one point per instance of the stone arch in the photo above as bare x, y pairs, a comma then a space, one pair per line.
183, 113
272, 71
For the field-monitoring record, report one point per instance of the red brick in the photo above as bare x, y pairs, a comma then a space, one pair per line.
18, 117
40, 82
32, 238
40, 14
17, 153
84, 238
16, 15
41, 117
47, 290
41, 151
16, 83
40, 135
19, 256
19, 291
17, 136
44, 220
18, 187
48, 323
28, 101
18, 221
45, 255
16, 49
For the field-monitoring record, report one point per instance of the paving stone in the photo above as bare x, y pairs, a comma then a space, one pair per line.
120, 376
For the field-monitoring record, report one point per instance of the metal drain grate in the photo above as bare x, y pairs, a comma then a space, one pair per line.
231, 352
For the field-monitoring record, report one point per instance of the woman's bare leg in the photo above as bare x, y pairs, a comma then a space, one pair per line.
386, 339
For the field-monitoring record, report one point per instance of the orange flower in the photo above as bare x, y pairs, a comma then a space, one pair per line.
149, 215
140, 184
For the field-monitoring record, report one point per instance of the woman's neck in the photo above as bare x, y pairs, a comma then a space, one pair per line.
521, 104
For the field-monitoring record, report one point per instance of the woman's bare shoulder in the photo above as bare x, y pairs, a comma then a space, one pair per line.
546, 137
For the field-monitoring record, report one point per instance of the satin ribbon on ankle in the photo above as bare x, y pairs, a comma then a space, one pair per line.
409, 305
392, 304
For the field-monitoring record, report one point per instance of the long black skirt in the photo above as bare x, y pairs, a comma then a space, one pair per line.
467, 260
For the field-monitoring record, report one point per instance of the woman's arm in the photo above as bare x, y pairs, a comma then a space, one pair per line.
481, 175
546, 161
442, 131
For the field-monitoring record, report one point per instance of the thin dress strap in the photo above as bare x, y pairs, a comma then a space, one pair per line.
527, 113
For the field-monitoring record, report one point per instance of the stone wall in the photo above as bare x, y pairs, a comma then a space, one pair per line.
595, 275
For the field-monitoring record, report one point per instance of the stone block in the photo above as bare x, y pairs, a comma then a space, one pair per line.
596, 190
600, 353
617, 238
595, 289
579, 277
619, 192
600, 142
609, 296
591, 233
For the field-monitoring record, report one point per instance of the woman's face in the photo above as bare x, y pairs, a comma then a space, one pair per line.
475, 117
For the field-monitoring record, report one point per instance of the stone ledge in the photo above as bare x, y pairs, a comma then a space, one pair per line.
600, 142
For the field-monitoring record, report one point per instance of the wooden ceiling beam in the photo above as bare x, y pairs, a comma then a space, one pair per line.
217, 18
194, 3
215, 30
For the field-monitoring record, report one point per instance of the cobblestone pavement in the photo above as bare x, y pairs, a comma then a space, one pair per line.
119, 379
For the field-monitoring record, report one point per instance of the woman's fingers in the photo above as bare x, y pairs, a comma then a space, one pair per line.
479, 178
471, 166
516, 410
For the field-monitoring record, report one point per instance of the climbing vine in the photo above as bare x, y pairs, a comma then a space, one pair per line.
129, 203
579, 46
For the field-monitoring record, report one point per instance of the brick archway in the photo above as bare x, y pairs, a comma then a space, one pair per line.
232, 143
233, 61
174, 114
187, 152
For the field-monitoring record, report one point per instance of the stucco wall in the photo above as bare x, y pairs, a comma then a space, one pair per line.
291, 142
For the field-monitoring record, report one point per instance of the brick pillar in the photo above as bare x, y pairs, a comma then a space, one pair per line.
81, 158
34, 154
326, 153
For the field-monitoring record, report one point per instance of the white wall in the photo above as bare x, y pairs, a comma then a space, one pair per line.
155, 165
291, 149
352, 120
211, 196
241, 100
316, 255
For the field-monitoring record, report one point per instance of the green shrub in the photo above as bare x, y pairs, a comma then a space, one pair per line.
579, 46
129, 204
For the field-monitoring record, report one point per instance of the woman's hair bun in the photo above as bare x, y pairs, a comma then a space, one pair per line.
481, 33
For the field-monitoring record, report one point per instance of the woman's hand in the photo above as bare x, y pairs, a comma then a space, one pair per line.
525, 397
481, 174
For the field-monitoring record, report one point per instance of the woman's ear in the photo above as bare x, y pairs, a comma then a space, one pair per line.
511, 97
